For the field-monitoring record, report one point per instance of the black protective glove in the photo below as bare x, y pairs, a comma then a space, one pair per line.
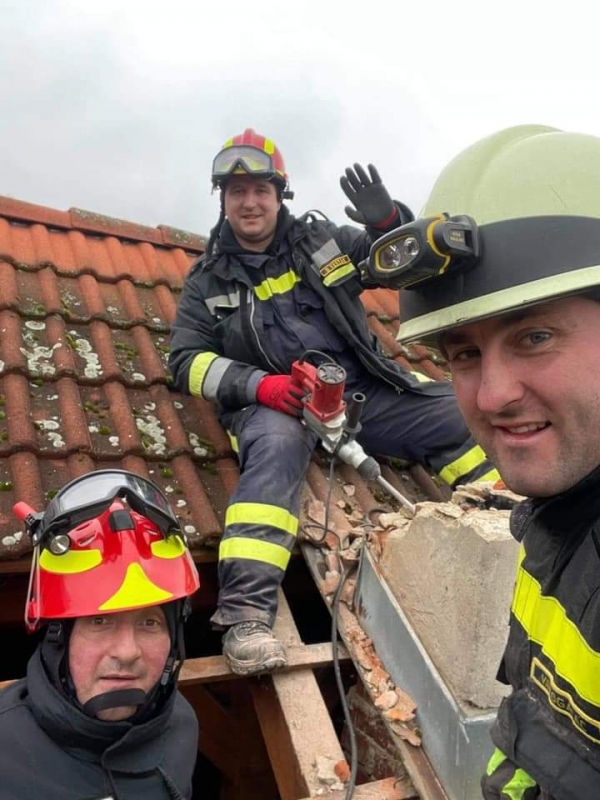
374, 206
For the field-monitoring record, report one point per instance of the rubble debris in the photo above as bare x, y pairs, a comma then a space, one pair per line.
386, 700
331, 582
399, 709
327, 772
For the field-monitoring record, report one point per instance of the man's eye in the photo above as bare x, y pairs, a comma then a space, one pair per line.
467, 354
537, 337
152, 622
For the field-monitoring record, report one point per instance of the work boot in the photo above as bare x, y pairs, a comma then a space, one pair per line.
250, 648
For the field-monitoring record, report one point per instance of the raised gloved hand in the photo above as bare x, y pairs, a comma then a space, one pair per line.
374, 206
281, 393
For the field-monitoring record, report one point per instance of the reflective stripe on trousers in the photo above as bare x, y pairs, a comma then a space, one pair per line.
262, 518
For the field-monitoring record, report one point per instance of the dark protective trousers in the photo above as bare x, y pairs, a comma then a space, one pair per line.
274, 452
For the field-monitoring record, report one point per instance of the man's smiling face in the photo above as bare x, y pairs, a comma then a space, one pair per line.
528, 384
252, 206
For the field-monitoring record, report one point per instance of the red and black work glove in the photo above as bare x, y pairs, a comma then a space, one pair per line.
374, 206
281, 393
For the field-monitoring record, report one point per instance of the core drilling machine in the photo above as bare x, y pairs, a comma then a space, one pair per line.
325, 412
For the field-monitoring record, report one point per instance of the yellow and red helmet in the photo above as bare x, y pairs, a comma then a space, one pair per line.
107, 542
250, 154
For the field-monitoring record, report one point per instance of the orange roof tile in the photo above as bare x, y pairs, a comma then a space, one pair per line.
85, 309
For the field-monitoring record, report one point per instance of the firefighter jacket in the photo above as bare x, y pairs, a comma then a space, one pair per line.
550, 724
220, 348
50, 749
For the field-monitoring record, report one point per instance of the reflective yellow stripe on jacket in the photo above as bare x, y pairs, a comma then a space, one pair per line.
198, 372
272, 286
545, 621
506, 780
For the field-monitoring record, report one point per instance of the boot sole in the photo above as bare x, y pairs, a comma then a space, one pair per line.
245, 668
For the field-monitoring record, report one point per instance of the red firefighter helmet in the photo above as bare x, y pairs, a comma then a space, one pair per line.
250, 154
107, 542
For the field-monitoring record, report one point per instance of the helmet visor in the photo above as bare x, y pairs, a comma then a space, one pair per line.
90, 495
242, 159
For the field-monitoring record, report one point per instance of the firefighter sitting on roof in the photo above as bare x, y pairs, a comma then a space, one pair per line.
269, 288
99, 714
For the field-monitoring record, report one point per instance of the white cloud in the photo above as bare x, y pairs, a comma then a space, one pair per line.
120, 107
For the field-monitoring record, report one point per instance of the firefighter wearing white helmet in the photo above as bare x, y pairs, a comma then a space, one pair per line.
503, 271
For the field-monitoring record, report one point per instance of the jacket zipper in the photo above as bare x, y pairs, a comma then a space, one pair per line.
260, 347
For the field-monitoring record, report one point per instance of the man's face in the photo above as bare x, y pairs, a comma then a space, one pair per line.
528, 385
127, 650
251, 206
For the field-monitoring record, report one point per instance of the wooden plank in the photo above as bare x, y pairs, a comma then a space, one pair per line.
386, 789
16, 566
218, 730
255, 779
294, 720
300, 656
414, 758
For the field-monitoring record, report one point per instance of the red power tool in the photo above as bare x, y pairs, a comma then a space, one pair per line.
326, 414
324, 389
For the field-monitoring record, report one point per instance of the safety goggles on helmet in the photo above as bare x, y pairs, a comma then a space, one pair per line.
88, 496
108, 542
242, 159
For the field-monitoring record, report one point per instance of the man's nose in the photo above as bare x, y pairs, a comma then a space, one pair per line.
500, 385
249, 199
125, 644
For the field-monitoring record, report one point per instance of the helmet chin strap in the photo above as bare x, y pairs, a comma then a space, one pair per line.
115, 699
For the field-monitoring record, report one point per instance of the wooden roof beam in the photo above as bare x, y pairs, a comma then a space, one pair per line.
295, 722
386, 789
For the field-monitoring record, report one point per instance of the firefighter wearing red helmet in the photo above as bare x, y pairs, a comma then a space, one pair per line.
251, 154
270, 289
110, 584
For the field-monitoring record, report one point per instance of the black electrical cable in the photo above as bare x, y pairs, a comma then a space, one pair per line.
327, 358
335, 606
335, 611
338, 679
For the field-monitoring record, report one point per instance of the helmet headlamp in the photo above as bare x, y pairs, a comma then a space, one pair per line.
423, 249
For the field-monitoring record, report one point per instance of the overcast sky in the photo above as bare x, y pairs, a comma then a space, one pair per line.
119, 106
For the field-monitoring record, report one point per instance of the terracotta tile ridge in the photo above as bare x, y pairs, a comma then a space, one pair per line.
30, 212
164, 235
102, 224
184, 239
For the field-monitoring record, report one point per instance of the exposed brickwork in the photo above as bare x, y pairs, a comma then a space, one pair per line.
377, 754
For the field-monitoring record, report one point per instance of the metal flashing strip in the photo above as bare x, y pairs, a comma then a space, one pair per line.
455, 738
